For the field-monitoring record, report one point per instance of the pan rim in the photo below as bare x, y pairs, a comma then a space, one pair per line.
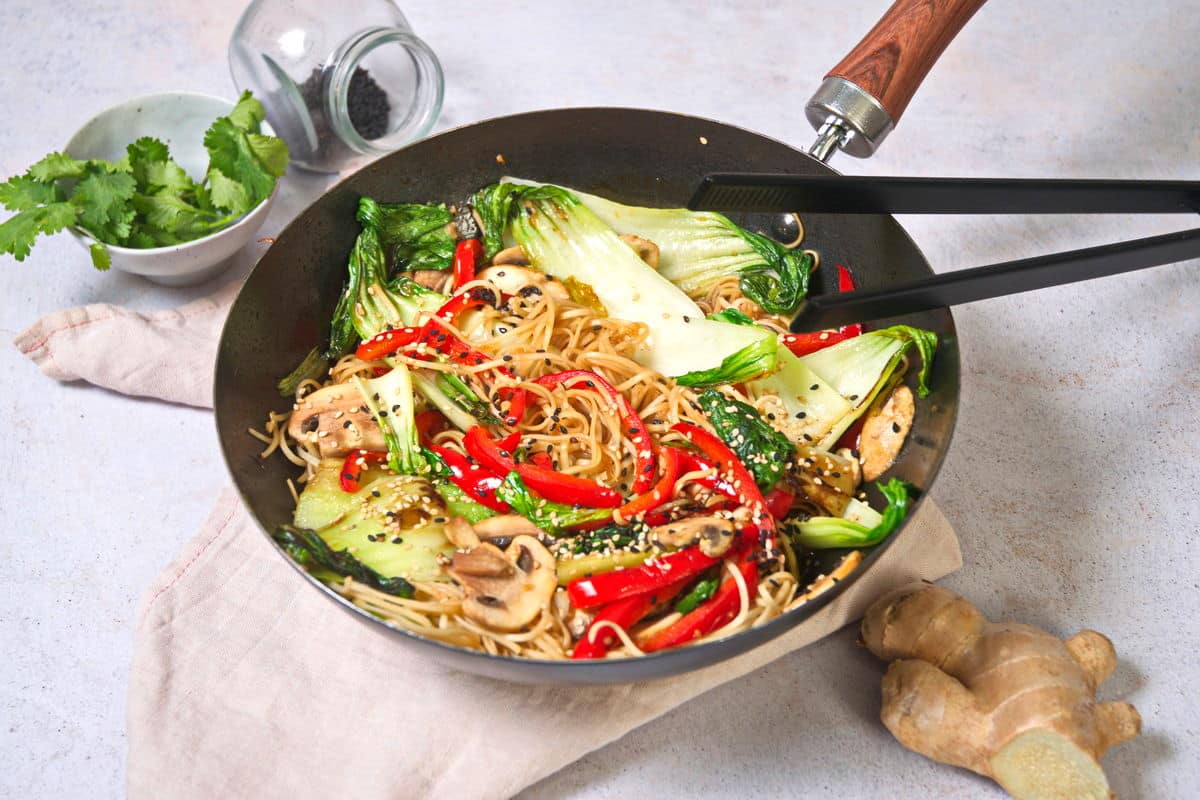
591, 671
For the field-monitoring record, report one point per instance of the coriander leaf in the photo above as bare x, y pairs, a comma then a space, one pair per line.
172, 213
101, 259
21, 193
226, 193
18, 232
102, 198
272, 153
229, 151
55, 166
141, 237
144, 152
765, 451
167, 175
202, 197
247, 113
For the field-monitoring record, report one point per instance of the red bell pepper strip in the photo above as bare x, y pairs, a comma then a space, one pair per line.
466, 255
623, 613
542, 460
655, 574
712, 614
731, 469
850, 438
352, 467
569, 489
779, 502
475, 297
491, 454
478, 483
547, 483
845, 279
644, 447
429, 423
386, 343
802, 344
436, 337
670, 459
690, 462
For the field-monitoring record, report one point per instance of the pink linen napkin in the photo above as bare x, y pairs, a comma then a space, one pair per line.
247, 683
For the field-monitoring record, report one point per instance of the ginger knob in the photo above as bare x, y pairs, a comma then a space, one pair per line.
1005, 700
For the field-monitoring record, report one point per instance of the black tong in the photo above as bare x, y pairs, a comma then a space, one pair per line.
832, 194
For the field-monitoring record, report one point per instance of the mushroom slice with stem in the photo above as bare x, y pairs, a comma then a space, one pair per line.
884, 431
713, 534
337, 421
506, 590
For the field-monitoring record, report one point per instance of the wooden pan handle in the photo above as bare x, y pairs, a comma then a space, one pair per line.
892, 60
862, 98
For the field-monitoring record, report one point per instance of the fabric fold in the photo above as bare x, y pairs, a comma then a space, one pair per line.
247, 683
166, 355
239, 665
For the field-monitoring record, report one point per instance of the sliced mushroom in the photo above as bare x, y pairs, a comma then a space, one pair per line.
504, 528
434, 279
884, 431
337, 420
647, 250
825, 479
506, 590
481, 561
461, 533
514, 256
523, 281
713, 534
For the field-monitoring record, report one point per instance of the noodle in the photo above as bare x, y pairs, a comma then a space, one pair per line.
579, 430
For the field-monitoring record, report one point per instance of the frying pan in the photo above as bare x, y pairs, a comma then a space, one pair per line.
642, 157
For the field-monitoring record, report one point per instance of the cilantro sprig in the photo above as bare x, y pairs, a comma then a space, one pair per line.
146, 199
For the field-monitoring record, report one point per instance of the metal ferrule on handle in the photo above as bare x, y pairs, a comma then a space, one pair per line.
847, 118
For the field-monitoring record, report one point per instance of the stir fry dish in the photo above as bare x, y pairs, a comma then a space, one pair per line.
548, 425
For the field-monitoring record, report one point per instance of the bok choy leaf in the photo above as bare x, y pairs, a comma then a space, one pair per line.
699, 248
823, 533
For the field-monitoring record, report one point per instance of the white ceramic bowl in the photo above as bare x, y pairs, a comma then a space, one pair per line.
179, 119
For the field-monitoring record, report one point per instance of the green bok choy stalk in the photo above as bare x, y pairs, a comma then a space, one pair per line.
563, 238
823, 533
390, 399
824, 392
369, 303
699, 248
413, 235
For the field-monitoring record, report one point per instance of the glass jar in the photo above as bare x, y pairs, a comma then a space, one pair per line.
343, 83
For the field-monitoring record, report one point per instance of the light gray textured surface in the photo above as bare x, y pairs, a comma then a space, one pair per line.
1071, 479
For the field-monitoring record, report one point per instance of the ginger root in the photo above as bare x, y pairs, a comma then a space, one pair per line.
1005, 700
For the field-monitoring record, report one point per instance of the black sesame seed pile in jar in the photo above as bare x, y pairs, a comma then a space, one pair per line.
368, 105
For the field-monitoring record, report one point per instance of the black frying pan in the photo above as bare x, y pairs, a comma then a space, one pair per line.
642, 157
